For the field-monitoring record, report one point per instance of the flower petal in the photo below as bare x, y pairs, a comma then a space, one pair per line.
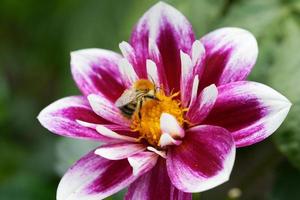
198, 57
204, 160
111, 134
172, 33
155, 56
152, 72
169, 125
166, 139
230, 55
96, 71
118, 151
186, 81
161, 153
106, 109
200, 108
61, 117
130, 55
109, 126
94, 177
194, 91
155, 185
251, 111
128, 73
142, 162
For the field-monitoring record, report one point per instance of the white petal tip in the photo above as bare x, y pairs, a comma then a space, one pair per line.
99, 152
166, 139
163, 154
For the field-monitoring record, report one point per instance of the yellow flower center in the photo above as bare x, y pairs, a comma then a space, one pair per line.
147, 123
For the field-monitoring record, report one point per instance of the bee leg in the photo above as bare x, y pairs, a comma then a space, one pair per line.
141, 104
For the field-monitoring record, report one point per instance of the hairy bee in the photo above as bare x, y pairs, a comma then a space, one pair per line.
132, 99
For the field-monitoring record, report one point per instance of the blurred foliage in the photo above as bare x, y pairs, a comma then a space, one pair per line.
69, 150
36, 38
286, 184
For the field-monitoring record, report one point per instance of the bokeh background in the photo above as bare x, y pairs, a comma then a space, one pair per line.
36, 38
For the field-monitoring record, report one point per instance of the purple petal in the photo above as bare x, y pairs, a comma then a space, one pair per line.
118, 151
171, 31
94, 177
200, 108
61, 118
230, 55
251, 111
107, 110
204, 160
155, 185
96, 71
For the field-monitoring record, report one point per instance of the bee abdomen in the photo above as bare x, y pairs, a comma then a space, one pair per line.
128, 109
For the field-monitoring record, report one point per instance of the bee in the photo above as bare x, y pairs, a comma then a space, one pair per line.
132, 99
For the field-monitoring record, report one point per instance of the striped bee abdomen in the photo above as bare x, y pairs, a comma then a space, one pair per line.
128, 109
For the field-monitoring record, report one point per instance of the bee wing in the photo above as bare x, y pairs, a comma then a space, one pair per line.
127, 97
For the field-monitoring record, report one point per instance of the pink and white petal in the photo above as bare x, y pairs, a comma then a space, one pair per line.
169, 125
107, 110
198, 57
109, 126
61, 118
130, 55
119, 151
161, 153
204, 160
166, 140
171, 31
152, 72
187, 76
194, 91
104, 131
128, 73
155, 184
142, 162
96, 71
156, 57
200, 108
250, 111
94, 177
230, 55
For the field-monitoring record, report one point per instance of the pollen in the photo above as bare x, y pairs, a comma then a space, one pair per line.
147, 123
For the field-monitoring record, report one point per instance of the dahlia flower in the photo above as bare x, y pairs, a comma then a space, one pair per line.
184, 140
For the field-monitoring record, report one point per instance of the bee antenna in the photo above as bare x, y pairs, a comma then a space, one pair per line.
152, 80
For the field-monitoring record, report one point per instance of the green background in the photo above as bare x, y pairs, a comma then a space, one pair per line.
36, 38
